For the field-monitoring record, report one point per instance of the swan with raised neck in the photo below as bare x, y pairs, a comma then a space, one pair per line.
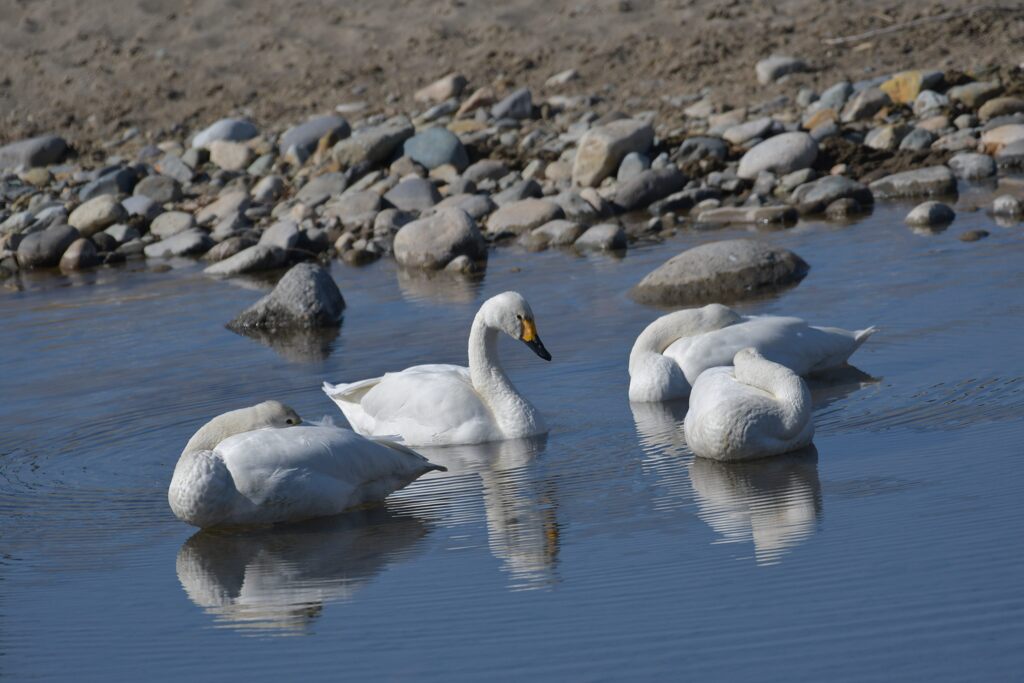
450, 404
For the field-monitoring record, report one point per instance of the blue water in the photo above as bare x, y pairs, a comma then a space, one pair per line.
890, 551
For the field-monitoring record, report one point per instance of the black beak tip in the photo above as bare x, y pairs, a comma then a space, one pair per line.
538, 348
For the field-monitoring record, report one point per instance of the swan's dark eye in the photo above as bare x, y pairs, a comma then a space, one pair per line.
519, 316
290, 421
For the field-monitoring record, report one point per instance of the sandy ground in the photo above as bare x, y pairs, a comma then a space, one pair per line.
90, 68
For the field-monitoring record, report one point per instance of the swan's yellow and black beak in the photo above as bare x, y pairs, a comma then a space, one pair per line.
530, 338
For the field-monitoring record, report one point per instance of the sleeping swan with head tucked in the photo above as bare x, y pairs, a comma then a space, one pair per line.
752, 410
451, 404
261, 465
675, 349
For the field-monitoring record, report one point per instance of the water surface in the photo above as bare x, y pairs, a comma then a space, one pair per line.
890, 550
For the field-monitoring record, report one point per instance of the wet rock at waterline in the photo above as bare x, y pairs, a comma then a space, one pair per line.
81, 255
306, 297
433, 241
252, 259
930, 214
720, 271
190, 242
933, 180
44, 249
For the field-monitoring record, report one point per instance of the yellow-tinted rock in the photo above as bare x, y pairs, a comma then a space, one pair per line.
819, 117
904, 87
462, 126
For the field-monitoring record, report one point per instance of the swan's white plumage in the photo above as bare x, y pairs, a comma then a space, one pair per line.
675, 349
450, 404
274, 474
752, 410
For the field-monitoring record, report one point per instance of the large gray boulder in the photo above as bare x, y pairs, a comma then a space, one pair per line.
44, 249
305, 298
39, 151
781, 154
433, 241
933, 180
720, 271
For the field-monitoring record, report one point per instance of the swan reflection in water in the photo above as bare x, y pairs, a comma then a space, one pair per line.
522, 529
774, 502
278, 579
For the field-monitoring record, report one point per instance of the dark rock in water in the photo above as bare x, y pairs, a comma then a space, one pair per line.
974, 235
103, 241
305, 298
929, 214
39, 151
817, 195
81, 255
602, 237
44, 249
844, 208
720, 271
647, 187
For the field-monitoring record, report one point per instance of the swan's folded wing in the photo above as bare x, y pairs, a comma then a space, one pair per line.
428, 401
310, 461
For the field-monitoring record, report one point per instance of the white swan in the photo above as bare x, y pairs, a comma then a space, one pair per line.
450, 404
260, 465
675, 349
752, 410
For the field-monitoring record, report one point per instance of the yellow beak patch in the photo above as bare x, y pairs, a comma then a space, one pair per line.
529, 331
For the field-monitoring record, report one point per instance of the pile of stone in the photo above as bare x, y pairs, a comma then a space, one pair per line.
439, 187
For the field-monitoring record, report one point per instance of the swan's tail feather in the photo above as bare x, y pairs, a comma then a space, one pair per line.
352, 392
861, 336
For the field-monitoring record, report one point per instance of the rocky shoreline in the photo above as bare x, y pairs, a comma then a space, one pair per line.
472, 169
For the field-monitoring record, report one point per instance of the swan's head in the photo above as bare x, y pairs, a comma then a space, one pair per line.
266, 414
510, 313
272, 414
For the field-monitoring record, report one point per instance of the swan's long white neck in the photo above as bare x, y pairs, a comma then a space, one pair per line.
792, 394
661, 333
507, 405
